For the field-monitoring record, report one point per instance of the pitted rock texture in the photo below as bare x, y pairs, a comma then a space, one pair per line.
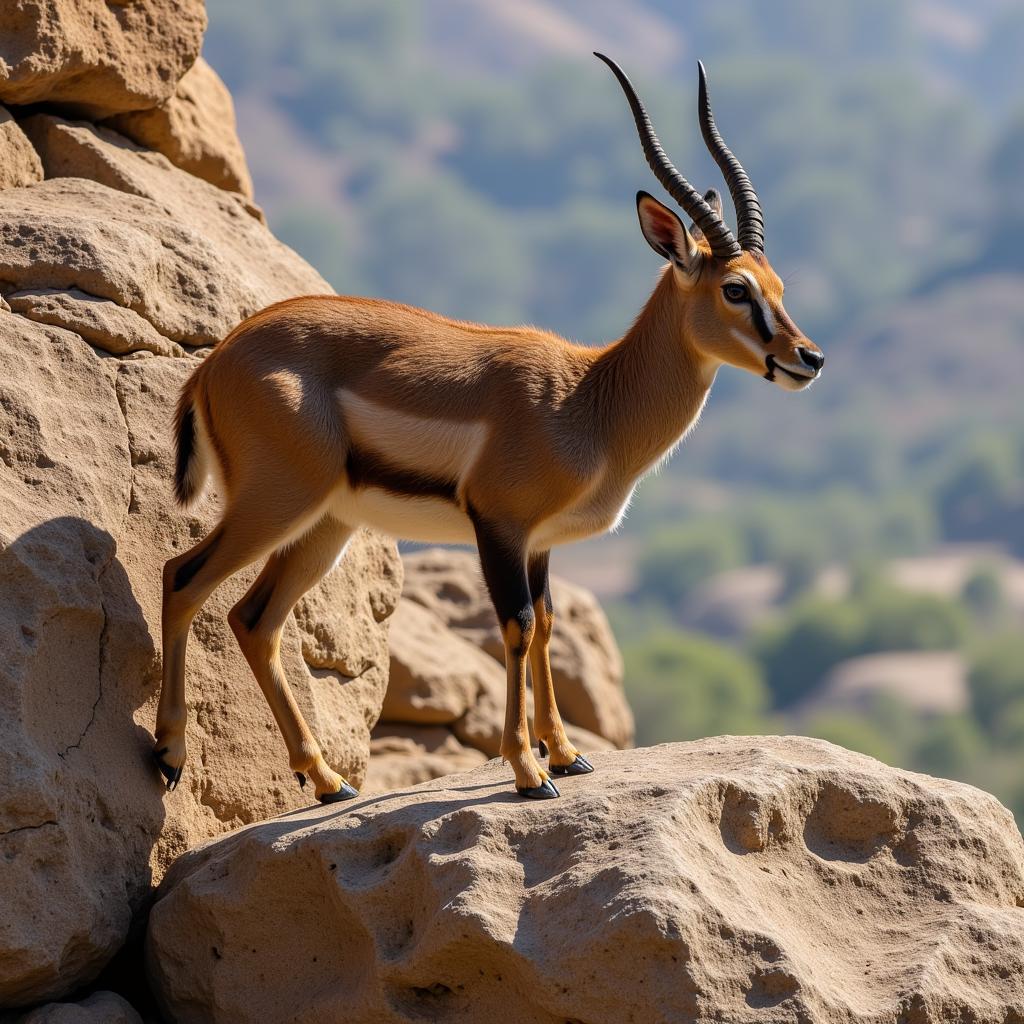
585, 661
195, 130
109, 267
740, 879
97, 57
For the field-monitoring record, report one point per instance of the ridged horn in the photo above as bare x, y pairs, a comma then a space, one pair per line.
719, 237
749, 220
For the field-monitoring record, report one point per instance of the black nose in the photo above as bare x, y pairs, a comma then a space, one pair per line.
815, 360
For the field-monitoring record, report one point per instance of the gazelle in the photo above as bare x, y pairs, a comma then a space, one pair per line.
322, 414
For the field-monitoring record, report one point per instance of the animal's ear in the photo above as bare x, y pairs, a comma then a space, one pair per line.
665, 232
714, 199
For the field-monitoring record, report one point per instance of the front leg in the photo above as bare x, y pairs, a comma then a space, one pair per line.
503, 560
565, 758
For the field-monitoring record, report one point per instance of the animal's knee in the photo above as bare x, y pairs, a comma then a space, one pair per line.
545, 619
256, 639
519, 630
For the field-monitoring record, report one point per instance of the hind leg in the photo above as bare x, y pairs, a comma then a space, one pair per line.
258, 621
246, 533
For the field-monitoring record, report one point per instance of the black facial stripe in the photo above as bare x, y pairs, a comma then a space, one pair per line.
757, 315
368, 470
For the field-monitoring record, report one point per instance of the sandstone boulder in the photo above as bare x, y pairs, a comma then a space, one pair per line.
585, 660
135, 262
19, 162
97, 57
732, 879
195, 130
404, 755
99, 1008
436, 675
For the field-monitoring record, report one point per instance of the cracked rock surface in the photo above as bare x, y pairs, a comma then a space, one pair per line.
116, 271
739, 879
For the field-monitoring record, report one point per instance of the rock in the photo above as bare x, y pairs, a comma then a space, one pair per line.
195, 130
436, 676
99, 1008
102, 323
186, 256
97, 57
585, 661
404, 755
736, 878
19, 162
136, 262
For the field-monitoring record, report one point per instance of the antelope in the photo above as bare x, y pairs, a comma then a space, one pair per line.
323, 414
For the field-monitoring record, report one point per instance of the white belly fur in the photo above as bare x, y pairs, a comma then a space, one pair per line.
427, 520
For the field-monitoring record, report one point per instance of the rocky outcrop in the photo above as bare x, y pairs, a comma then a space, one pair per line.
195, 130
97, 57
738, 879
116, 270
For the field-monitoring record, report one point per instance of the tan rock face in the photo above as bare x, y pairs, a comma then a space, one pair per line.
195, 130
133, 262
186, 256
738, 879
19, 162
94, 56
436, 676
585, 660
404, 755
99, 1008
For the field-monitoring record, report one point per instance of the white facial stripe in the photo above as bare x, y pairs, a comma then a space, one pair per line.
756, 347
446, 449
758, 297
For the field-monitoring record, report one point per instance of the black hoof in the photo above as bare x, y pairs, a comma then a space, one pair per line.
346, 792
302, 780
172, 775
545, 791
543, 748
581, 766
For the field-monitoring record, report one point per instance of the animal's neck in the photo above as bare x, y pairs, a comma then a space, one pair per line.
650, 385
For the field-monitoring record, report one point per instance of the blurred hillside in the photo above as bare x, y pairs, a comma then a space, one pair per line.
471, 156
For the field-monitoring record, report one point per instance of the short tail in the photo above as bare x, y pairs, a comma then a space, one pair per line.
191, 463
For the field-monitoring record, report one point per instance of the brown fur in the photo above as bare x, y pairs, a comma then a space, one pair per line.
569, 429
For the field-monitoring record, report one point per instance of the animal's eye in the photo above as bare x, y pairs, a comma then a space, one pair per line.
735, 292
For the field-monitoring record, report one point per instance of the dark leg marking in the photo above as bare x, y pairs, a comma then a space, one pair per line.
507, 583
537, 571
251, 610
187, 572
